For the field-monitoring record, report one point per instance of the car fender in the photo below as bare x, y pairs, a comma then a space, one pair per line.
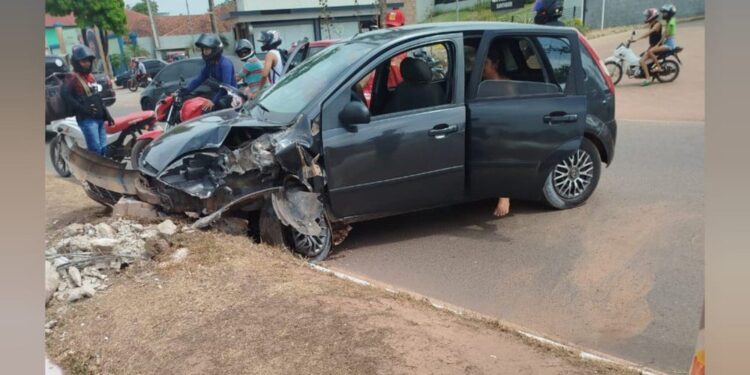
153, 134
554, 158
603, 136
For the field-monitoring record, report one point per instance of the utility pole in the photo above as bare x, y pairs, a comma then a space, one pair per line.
190, 23
100, 48
60, 40
212, 16
383, 10
153, 29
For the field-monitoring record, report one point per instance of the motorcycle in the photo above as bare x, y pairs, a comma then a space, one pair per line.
175, 109
625, 60
138, 80
121, 137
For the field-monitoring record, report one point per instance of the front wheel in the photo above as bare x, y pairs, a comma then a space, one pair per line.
133, 85
572, 181
56, 157
135, 154
670, 69
615, 71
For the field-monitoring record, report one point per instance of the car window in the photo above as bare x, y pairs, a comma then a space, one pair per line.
512, 67
187, 70
593, 81
314, 50
558, 53
415, 79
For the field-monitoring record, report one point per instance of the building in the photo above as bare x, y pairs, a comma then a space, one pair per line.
71, 33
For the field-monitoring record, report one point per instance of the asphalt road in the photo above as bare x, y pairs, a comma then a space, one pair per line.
622, 274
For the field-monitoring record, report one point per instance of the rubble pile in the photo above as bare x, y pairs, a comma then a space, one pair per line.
76, 265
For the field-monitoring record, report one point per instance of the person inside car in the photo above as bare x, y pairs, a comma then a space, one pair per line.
216, 66
273, 67
252, 69
492, 71
654, 39
82, 95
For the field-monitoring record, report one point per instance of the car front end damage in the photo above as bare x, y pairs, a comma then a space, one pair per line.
219, 163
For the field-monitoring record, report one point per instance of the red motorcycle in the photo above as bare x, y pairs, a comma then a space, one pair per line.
175, 109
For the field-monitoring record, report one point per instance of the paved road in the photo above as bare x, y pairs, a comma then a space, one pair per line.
622, 274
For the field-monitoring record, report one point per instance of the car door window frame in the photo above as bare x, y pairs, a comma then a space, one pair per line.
574, 77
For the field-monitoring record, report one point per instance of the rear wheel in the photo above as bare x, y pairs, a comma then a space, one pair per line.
133, 85
135, 154
572, 181
615, 71
56, 157
670, 69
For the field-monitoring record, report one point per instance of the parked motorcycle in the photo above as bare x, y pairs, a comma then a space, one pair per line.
175, 109
625, 60
121, 137
138, 80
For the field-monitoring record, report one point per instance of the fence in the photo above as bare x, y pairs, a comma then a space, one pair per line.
609, 13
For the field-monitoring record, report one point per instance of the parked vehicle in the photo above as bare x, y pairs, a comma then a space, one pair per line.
168, 80
153, 67
309, 155
121, 137
625, 60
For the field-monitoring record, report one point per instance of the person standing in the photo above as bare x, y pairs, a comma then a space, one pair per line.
273, 67
82, 95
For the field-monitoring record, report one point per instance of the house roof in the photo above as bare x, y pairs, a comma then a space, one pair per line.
179, 25
51, 21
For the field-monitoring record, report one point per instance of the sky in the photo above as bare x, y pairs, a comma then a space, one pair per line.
176, 7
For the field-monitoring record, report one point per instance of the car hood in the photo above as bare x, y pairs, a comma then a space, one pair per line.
202, 133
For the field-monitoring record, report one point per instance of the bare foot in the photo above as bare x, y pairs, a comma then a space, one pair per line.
503, 207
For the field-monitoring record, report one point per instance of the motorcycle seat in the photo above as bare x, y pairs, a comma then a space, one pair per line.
123, 122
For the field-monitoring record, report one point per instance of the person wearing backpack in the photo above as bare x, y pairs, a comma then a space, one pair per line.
82, 96
273, 67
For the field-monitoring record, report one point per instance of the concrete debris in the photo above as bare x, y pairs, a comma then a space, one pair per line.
167, 228
52, 281
104, 230
60, 261
155, 246
76, 294
75, 276
231, 225
133, 208
105, 245
180, 254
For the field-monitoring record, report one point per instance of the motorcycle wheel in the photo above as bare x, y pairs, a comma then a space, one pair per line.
615, 71
670, 69
55, 155
133, 85
135, 154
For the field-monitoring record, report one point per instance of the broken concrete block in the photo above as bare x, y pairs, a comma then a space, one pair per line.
133, 208
75, 275
74, 229
106, 245
60, 261
104, 230
76, 294
52, 281
155, 245
180, 254
167, 228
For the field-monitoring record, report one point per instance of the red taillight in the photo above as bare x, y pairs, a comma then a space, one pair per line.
595, 56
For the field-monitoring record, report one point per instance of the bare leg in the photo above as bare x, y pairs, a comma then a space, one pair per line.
644, 66
503, 207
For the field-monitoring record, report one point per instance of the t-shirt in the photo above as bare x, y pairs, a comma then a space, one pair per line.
252, 73
671, 27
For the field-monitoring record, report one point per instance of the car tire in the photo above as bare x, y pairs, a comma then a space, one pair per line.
572, 181
55, 154
273, 232
615, 71
670, 70
136, 152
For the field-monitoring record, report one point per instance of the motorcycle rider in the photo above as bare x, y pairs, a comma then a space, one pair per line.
548, 12
668, 42
216, 66
654, 39
273, 66
82, 95
252, 69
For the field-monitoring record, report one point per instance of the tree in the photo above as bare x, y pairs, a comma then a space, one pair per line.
143, 8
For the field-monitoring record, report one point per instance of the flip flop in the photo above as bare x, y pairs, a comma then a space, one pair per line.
645, 82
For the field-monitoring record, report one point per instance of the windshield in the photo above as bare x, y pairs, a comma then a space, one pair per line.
296, 89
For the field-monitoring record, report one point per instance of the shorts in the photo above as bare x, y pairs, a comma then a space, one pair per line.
670, 43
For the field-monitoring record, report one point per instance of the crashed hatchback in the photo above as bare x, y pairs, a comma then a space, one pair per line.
387, 122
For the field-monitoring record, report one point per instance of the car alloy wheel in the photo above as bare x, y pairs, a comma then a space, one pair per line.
574, 175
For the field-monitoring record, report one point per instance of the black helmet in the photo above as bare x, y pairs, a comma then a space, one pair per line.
269, 40
547, 11
244, 49
79, 53
668, 11
210, 41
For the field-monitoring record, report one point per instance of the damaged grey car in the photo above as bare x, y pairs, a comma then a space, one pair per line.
345, 137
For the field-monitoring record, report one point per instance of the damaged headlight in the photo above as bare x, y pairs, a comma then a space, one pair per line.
198, 174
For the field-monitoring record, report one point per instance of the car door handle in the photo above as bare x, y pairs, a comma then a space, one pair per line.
560, 117
440, 131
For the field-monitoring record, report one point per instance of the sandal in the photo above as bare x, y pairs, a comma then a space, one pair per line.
645, 82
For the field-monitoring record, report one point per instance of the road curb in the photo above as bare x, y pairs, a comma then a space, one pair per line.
540, 339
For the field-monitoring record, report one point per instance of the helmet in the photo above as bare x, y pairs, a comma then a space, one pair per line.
394, 18
668, 11
651, 14
80, 53
244, 49
269, 39
547, 11
210, 41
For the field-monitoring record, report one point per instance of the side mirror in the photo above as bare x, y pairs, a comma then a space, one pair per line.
354, 113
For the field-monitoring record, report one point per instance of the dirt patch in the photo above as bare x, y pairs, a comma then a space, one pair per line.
232, 306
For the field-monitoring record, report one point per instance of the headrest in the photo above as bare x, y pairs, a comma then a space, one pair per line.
415, 70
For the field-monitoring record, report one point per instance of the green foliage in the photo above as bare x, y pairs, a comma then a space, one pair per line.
578, 24
483, 12
121, 60
142, 7
106, 14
